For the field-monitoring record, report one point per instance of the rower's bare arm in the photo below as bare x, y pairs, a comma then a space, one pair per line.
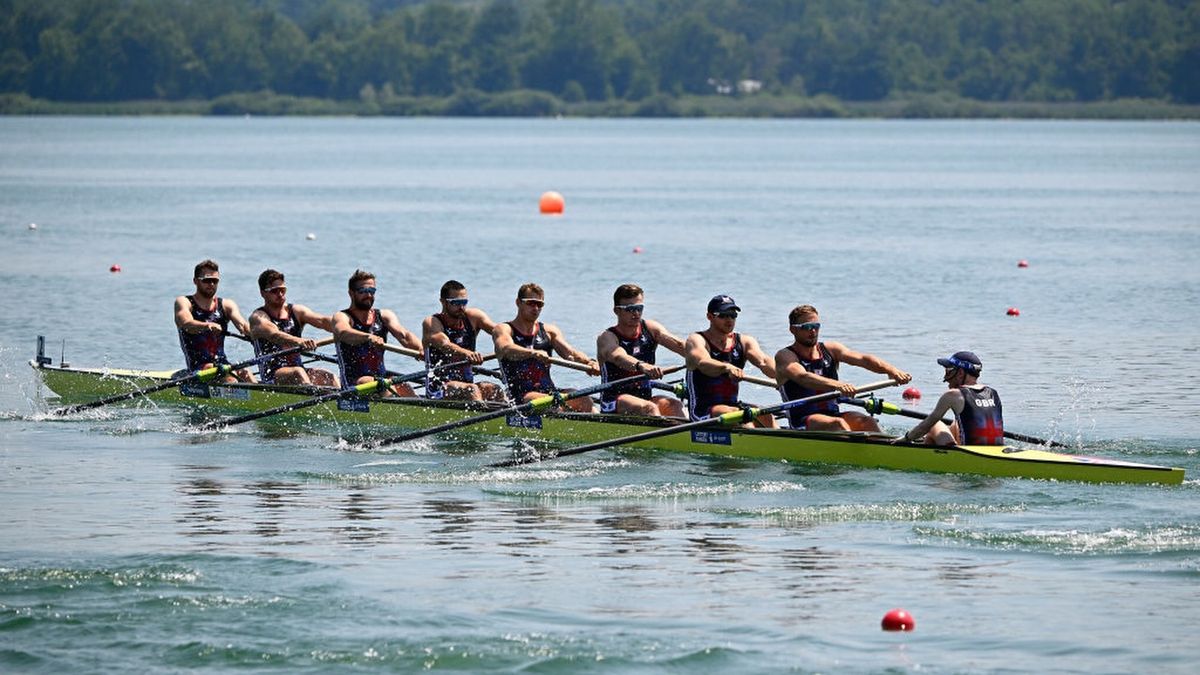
697, 358
666, 338
346, 333
403, 335
951, 400
787, 367
868, 361
308, 316
235, 317
505, 347
755, 355
481, 320
185, 322
564, 349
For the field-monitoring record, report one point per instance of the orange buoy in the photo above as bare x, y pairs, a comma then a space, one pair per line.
637, 249
1013, 311
551, 203
115, 268
898, 619
911, 393
1022, 263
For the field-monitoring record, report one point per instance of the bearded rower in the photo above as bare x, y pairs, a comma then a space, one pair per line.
202, 320
361, 331
450, 335
278, 325
628, 349
715, 359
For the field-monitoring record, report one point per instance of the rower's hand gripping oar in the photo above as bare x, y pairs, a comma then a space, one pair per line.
539, 404
357, 390
876, 406
728, 419
202, 375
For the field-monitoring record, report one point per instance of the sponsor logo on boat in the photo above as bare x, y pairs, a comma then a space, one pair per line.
712, 437
194, 389
233, 393
354, 404
523, 422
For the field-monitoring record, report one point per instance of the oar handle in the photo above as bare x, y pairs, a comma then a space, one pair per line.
761, 381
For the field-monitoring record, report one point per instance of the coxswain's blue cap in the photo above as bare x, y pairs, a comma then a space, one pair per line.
966, 361
722, 303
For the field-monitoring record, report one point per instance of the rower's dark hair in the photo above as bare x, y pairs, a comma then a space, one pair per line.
626, 291
802, 310
451, 286
210, 265
357, 278
530, 290
269, 277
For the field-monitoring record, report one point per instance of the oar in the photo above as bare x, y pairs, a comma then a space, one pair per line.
364, 388
877, 405
202, 375
728, 419
536, 405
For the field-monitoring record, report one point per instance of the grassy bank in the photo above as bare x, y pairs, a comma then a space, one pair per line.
527, 103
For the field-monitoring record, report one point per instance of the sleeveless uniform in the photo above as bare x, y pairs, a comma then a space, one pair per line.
706, 391
642, 347
825, 366
202, 348
360, 360
266, 369
981, 421
463, 336
522, 377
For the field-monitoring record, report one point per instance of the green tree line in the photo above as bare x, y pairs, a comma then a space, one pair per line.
596, 50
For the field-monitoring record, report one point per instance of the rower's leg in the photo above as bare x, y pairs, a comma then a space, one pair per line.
670, 407
322, 377
292, 375
819, 422
860, 422
627, 404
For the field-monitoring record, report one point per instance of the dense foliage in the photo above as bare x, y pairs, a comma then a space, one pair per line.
650, 51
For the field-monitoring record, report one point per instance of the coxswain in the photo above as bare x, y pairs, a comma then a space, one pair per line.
628, 349
524, 346
361, 331
202, 320
716, 357
978, 415
809, 366
450, 336
277, 325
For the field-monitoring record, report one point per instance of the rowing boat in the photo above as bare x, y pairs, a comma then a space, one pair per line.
810, 447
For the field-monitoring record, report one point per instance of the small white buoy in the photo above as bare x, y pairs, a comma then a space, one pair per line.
311, 236
33, 226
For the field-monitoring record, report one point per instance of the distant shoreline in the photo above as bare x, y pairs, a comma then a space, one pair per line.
526, 103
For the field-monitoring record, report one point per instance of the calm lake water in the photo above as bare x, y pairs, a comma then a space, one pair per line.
131, 542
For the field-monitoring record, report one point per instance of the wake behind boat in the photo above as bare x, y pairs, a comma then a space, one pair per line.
857, 449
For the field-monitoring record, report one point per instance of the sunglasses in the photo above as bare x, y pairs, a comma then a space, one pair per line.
278, 290
534, 302
365, 290
726, 315
457, 302
808, 325
210, 280
632, 309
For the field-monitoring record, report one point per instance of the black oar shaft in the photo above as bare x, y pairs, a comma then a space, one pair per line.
728, 419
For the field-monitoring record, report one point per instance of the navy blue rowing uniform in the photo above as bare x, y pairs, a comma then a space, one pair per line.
981, 421
267, 369
463, 336
826, 365
642, 347
364, 359
522, 377
707, 391
206, 347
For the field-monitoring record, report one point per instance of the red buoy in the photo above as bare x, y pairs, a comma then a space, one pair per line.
911, 393
551, 203
1013, 311
637, 249
898, 619
1022, 263
115, 268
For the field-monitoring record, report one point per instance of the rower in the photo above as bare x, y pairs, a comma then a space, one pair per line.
809, 366
715, 358
628, 349
449, 336
524, 346
978, 415
202, 320
361, 331
277, 325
